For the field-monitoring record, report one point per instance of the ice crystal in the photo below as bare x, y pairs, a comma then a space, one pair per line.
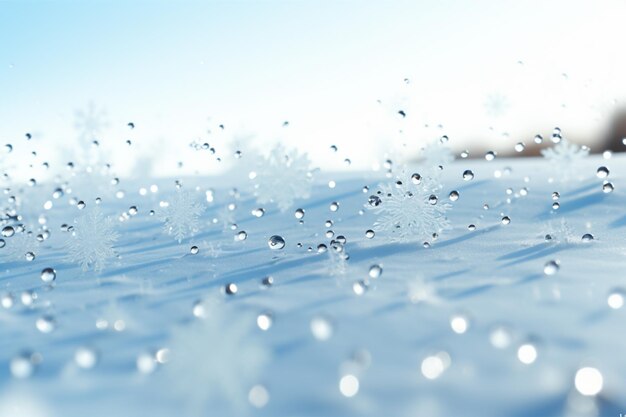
215, 360
565, 157
283, 177
436, 154
92, 240
181, 215
407, 211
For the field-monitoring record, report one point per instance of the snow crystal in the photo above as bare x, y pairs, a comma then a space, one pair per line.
92, 239
409, 211
564, 158
216, 359
181, 215
283, 177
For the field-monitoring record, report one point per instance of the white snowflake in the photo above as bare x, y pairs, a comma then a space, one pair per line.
216, 359
90, 122
92, 240
181, 215
408, 211
283, 177
436, 154
565, 157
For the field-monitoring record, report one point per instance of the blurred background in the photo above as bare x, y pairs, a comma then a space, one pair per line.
201, 80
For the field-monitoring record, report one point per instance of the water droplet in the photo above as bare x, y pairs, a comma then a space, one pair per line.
349, 385
506, 220
556, 205
464, 154
375, 271
299, 213
538, 139
8, 231
459, 323
267, 282
264, 321
85, 357
551, 267
555, 195
519, 147
3, 243
242, 235
321, 248
360, 287
259, 212
194, 250
45, 324
607, 187
471, 227
6, 301
416, 178
490, 156
454, 195
146, 363
433, 366
258, 396
81, 205
30, 256
276, 242
22, 366
321, 328
432, 200
588, 381
616, 298
602, 172
48, 275
527, 353
230, 288
333, 148
374, 200
370, 234
468, 175
334, 206
587, 237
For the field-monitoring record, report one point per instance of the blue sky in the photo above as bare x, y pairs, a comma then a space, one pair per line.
179, 68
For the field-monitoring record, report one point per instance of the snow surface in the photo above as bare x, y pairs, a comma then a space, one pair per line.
170, 342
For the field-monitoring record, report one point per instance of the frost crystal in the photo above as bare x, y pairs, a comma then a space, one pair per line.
181, 215
408, 211
92, 239
436, 154
216, 360
283, 177
564, 158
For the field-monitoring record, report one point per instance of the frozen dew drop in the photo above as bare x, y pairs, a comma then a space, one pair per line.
616, 297
8, 231
527, 353
264, 321
349, 385
551, 267
194, 250
454, 195
587, 237
370, 234
416, 178
375, 271
506, 220
468, 175
321, 328
48, 275
230, 288
588, 381
299, 214
276, 242
85, 357
45, 324
602, 172
607, 187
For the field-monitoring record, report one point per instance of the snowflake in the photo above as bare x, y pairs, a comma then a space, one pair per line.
90, 122
181, 215
564, 158
496, 105
216, 359
92, 239
436, 154
283, 177
409, 211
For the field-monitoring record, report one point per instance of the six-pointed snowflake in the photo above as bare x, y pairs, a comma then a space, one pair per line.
92, 240
181, 215
564, 158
